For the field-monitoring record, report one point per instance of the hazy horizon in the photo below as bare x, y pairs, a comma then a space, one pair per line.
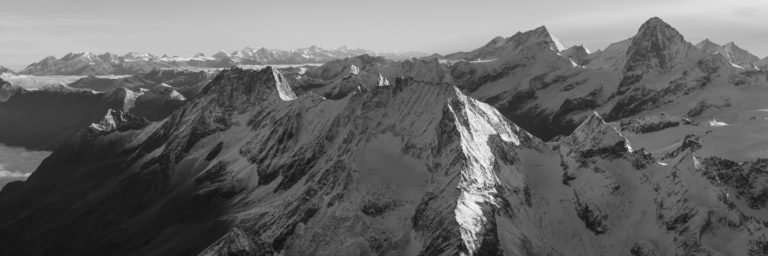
184, 28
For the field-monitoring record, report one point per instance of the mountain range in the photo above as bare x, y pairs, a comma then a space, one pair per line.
87, 63
652, 146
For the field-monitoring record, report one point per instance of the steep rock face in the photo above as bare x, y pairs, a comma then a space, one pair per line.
154, 104
577, 54
117, 121
657, 48
594, 136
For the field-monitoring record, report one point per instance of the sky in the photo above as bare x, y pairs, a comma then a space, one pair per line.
33, 29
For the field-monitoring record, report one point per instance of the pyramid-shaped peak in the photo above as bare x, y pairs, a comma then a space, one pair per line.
658, 26
594, 133
708, 46
655, 21
658, 45
540, 34
496, 42
541, 29
579, 48
706, 43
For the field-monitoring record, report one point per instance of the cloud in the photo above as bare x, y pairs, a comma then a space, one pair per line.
6, 174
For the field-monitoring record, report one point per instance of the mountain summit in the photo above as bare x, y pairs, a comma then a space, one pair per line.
657, 46
501, 47
732, 52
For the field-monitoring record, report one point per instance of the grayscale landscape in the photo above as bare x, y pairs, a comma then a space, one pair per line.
622, 135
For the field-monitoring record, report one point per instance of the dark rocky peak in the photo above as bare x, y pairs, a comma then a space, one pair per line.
691, 143
577, 53
239, 88
657, 46
115, 120
708, 46
596, 137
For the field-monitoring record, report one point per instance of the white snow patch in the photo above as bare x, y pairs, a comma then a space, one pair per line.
482, 61
383, 81
559, 45
715, 123
283, 89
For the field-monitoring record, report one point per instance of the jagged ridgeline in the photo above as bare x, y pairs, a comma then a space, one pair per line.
369, 156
